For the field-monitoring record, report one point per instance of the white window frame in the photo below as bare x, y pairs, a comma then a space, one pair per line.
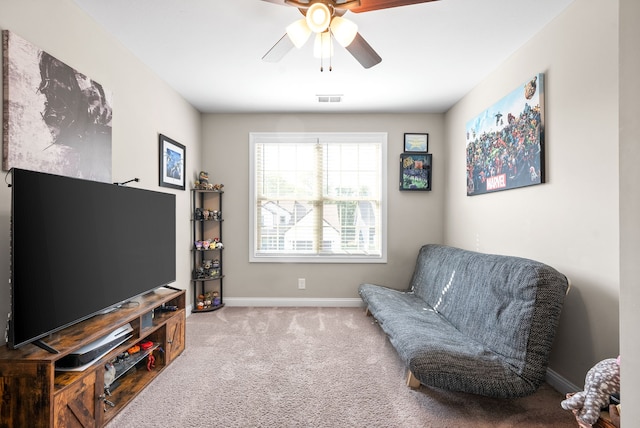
314, 137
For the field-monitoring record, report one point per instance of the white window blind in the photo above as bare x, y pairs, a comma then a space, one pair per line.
318, 197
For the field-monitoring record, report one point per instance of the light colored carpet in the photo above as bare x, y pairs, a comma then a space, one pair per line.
311, 367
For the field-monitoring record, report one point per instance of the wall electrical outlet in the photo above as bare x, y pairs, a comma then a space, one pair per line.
302, 283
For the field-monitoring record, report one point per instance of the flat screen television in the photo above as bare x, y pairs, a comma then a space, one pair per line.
81, 247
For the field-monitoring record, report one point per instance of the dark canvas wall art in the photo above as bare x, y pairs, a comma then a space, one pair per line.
55, 118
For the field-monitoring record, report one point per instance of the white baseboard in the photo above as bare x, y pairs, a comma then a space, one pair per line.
560, 384
293, 301
289, 301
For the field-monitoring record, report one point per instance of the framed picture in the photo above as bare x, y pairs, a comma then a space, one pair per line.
505, 143
415, 171
172, 163
416, 143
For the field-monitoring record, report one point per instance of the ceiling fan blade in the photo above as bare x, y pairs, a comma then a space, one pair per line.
280, 2
279, 50
369, 5
347, 4
304, 4
363, 52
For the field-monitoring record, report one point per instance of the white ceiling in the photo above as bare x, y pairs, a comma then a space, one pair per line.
432, 53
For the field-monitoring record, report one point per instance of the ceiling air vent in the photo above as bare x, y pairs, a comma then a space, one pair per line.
334, 98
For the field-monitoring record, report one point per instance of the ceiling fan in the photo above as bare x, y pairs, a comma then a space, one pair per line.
324, 18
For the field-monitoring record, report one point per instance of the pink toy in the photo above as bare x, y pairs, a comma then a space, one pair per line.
601, 381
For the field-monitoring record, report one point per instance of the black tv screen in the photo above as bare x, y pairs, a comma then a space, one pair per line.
79, 247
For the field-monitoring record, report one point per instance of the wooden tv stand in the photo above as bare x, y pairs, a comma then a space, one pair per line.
34, 394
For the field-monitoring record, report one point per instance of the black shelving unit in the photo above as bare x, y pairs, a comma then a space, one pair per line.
206, 275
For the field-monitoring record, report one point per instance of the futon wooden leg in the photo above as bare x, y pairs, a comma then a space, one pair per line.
367, 312
412, 381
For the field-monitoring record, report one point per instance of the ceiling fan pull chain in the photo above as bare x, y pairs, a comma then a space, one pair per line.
321, 54
330, 56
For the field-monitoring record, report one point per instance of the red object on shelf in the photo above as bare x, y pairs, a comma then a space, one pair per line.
146, 345
151, 362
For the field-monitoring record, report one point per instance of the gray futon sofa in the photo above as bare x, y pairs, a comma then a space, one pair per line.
472, 322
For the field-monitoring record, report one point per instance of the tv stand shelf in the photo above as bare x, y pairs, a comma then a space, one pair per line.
34, 394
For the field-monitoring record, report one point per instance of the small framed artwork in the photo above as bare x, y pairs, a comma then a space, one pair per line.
415, 171
172, 163
416, 143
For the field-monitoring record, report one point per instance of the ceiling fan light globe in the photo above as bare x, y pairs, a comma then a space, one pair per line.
323, 45
299, 32
318, 17
344, 31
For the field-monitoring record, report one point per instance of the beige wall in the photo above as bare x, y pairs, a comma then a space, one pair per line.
571, 222
578, 221
629, 207
414, 218
143, 107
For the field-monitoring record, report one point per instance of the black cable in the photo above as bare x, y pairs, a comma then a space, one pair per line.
5, 177
126, 182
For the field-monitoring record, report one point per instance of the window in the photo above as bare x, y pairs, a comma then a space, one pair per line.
318, 197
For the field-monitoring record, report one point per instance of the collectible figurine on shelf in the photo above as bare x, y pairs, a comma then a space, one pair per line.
200, 303
202, 183
207, 299
199, 273
204, 178
197, 215
218, 244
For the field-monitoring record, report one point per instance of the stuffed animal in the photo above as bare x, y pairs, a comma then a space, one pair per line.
601, 381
